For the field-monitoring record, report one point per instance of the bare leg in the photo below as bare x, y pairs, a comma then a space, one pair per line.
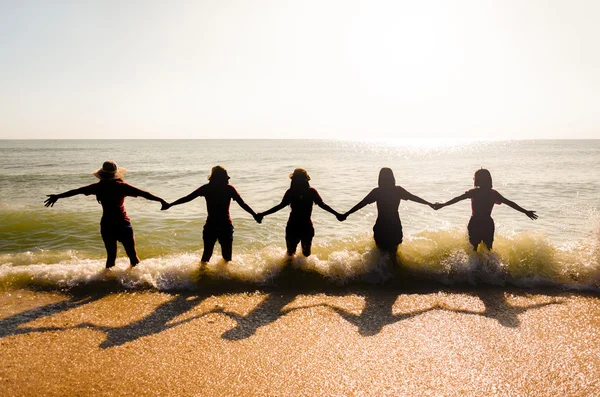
226, 248
306, 245
209, 246
111, 251
292, 244
388, 249
488, 243
129, 245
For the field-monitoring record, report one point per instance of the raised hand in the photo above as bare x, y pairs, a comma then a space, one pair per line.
259, 217
531, 214
52, 198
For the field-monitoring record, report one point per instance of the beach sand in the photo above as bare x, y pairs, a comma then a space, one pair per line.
350, 341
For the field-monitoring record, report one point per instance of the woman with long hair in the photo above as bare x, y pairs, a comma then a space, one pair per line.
387, 231
300, 197
218, 194
483, 197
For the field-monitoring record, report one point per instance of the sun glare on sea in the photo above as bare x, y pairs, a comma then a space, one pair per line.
422, 143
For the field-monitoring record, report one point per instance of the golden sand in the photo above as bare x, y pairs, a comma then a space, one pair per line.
346, 342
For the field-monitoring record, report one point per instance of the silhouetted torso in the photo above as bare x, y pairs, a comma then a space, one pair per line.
218, 199
482, 201
388, 201
111, 194
301, 203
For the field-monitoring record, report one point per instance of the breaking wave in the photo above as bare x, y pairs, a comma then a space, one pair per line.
441, 256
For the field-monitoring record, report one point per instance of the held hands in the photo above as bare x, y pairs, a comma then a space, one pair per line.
341, 217
258, 217
437, 206
165, 205
531, 214
52, 198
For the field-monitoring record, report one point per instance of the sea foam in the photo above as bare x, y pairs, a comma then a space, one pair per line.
440, 256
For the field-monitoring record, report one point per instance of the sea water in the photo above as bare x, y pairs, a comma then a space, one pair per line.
61, 247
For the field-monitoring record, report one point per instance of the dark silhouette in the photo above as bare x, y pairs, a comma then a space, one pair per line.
498, 308
115, 225
156, 322
218, 194
15, 324
300, 197
377, 313
267, 312
387, 231
483, 198
378, 310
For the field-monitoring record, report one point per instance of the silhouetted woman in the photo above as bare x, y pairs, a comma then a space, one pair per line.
218, 194
483, 198
115, 225
387, 231
300, 197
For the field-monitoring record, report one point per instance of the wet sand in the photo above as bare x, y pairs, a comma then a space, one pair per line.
353, 341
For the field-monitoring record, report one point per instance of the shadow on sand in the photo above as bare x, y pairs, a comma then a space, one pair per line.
378, 309
376, 314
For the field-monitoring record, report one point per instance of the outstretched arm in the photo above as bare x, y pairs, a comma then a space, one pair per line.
183, 200
419, 200
512, 204
151, 197
361, 204
246, 207
273, 210
285, 201
456, 199
259, 217
329, 209
53, 198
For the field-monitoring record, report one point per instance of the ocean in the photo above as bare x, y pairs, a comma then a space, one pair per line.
61, 247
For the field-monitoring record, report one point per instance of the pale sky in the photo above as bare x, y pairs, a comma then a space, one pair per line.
425, 69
